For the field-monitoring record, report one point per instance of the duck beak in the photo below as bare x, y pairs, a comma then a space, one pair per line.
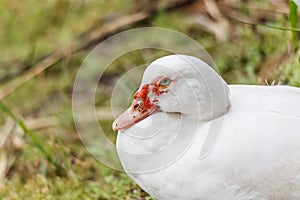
135, 113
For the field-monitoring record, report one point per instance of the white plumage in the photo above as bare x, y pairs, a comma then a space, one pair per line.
257, 153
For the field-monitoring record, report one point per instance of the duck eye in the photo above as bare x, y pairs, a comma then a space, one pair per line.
165, 82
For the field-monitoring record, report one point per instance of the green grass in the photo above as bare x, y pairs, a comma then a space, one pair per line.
40, 187
31, 29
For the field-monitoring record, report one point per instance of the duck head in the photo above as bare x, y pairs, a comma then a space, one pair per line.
177, 84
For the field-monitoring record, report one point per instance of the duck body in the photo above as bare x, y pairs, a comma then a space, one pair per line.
256, 156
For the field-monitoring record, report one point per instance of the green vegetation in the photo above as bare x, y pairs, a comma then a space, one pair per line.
53, 163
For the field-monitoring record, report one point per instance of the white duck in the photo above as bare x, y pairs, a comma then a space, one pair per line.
190, 136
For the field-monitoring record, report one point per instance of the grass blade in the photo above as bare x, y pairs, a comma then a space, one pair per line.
293, 22
282, 28
35, 140
297, 2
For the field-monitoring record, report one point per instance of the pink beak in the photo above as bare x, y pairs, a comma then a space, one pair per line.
135, 113
140, 108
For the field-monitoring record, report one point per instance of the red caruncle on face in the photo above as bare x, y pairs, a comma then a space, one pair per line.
143, 94
145, 103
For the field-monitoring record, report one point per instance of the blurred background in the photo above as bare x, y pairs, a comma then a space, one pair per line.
43, 43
